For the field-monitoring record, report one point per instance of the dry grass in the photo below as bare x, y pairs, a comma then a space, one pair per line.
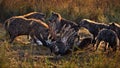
97, 10
25, 55
22, 54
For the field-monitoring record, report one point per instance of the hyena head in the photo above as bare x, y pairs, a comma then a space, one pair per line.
55, 17
112, 26
85, 23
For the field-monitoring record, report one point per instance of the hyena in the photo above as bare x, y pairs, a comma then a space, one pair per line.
93, 27
115, 27
35, 15
32, 15
17, 26
108, 36
59, 22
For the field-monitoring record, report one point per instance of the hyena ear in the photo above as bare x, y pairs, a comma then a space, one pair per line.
43, 15
113, 24
53, 13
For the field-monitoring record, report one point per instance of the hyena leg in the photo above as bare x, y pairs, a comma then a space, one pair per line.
33, 40
118, 46
7, 36
28, 37
78, 37
93, 41
105, 46
12, 37
97, 43
114, 47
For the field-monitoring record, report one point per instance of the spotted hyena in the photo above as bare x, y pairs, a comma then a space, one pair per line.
17, 26
108, 36
59, 22
92, 26
115, 27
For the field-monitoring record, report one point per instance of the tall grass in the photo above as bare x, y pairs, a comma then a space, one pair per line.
20, 55
98, 10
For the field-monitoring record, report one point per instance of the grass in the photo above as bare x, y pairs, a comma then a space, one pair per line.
22, 55
75, 10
